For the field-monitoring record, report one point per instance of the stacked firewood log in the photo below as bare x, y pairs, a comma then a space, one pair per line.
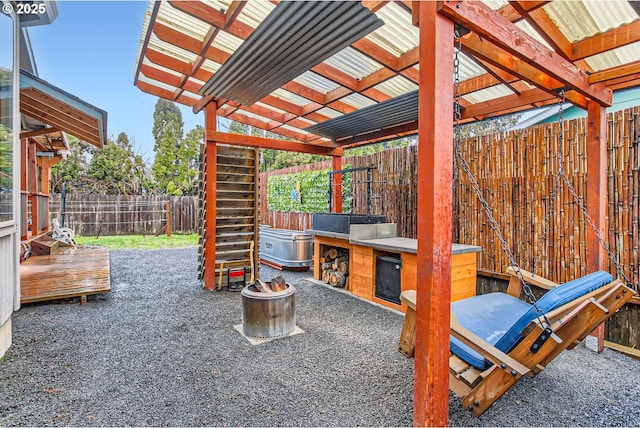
334, 265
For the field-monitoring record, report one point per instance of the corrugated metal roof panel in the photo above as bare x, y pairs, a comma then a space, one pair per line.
581, 19
495, 4
396, 111
191, 95
329, 112
254, 115
316, 81
527, 28
309, 122
210, 66
396, 86
469, 68
226, 42
255, 11
398, 35
180, 21
171, 50
217, 4
357, 100
487, 94
615, 57
291, 97
292, 128
295, 37
353, 63
277, 110
611, 14
196, 81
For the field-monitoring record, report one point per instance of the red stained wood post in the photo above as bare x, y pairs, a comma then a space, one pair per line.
435, 166
210, 168
597, 193
336, 184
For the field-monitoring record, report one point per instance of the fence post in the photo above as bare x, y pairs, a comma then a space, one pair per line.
168, 218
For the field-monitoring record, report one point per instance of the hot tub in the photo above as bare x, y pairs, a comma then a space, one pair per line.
285, 248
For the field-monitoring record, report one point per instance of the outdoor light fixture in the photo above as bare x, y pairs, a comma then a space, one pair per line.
393, 112
295, 37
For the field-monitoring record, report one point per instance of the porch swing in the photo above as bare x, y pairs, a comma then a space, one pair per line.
497, 338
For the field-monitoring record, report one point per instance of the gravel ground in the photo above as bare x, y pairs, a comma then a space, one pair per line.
160, 351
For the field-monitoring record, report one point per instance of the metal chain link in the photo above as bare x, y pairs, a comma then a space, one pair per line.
561, 176
478, 192
612, 256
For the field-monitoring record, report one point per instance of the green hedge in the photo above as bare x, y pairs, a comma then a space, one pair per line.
306, 191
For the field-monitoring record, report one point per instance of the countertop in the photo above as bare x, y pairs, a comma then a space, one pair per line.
397, 244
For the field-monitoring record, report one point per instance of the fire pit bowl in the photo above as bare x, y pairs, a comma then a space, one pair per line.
268, 315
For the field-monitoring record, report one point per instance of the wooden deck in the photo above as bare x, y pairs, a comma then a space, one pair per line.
70, 272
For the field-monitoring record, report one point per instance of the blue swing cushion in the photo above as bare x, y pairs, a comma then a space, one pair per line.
500, 318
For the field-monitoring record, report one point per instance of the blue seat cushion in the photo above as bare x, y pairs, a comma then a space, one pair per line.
488, 316
500, 319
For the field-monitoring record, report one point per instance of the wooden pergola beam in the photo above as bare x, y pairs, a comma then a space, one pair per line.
273, 144
488, 24
547, 29
232, 13
506, 103
612, 39
615, 73
500, 58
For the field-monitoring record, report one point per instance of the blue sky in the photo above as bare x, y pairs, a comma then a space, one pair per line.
90, 51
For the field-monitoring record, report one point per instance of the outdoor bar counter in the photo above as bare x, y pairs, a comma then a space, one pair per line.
366, 253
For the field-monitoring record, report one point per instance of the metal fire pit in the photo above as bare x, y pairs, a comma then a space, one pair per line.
268, 315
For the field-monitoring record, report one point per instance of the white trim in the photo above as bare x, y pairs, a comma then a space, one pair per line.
7, 228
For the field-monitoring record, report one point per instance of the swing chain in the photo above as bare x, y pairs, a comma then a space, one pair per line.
612, 256
562, 176
540, 315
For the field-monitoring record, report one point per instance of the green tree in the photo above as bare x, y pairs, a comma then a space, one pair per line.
186, 180
116, 168
167, 132
73, 169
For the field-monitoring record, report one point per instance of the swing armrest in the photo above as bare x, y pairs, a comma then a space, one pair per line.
532, 279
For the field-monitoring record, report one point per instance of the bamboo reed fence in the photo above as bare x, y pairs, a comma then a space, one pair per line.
94, 214
516, 172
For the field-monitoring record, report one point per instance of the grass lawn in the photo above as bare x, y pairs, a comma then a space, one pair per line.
147, 242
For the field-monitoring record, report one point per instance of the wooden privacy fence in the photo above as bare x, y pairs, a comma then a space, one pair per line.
516, 172
93, 214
